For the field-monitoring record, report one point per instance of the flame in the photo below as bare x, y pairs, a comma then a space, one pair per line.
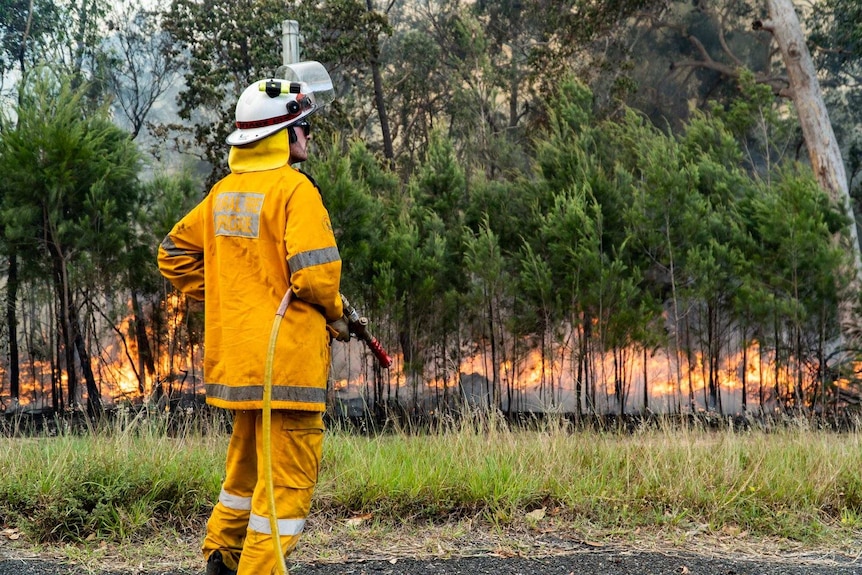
115, 365
548, 380
536, 380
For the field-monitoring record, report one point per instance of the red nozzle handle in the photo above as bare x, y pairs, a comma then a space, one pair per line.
359, 327
378, 351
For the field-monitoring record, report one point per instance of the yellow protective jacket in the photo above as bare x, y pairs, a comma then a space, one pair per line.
261, 230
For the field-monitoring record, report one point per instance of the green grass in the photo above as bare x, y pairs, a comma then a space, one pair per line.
127, 483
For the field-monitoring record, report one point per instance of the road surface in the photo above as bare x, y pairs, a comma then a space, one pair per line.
589, 561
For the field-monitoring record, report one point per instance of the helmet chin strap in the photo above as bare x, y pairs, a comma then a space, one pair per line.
291, 134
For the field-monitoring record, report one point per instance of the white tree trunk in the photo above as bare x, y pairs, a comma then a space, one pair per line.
819, 137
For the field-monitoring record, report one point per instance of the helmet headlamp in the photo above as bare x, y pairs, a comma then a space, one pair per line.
268, 106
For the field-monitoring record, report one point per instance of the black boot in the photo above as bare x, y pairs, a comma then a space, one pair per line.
215, 566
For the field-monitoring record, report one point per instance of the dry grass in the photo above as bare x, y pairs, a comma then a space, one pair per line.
475, 487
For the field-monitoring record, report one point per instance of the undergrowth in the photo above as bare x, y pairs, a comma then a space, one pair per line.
126, 482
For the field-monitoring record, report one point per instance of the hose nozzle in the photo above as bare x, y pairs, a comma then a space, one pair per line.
358, 326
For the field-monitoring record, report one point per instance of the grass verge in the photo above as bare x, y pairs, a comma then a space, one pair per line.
477, 480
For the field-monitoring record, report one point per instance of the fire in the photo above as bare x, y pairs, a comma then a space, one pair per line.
116, 363
541, 380
547, 381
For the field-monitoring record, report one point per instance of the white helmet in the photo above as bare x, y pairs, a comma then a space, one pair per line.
268, 106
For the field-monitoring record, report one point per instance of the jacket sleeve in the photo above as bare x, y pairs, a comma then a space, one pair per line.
181, 255
312, 255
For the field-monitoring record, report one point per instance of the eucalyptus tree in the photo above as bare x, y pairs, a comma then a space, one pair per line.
27, 31
823, 151
836, 45
535, 43
700, 52
348, 36
481, 71
439, 81
71, 176
136, 63
64, 34
414, 76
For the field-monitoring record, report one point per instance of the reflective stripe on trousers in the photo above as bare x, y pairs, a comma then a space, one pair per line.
285, 526
234, 502
258, 522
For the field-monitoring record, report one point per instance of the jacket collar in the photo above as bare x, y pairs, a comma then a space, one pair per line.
267, 154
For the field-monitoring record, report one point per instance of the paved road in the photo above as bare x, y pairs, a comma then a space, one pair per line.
587, 562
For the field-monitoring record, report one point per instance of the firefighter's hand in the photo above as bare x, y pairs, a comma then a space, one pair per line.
338, 329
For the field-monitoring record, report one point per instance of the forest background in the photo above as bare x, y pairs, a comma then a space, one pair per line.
542, 205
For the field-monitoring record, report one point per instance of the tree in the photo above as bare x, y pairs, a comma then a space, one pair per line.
800, 269
823, 150
71, 178
26, 27
137, 64
709, 48
177, 329
835, 41
487, 268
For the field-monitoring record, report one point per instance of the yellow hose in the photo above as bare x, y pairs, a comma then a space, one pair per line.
280, 565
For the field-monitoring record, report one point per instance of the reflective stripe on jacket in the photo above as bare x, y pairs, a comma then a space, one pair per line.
256, 234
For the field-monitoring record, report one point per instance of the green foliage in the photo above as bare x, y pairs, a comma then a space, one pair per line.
793, 224
602, 481
130, 484
518, 203
118, 487
353, 185
229, 46
71, 179
23, 22
68, 196
165, 198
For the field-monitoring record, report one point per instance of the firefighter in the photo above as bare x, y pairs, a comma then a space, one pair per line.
263, 230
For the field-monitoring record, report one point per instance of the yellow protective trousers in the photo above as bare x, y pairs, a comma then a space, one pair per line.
239, 526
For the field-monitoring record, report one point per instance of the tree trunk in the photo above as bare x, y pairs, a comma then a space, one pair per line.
646, 381
744, 374
379, 100
94, 397
72, 339
819, 137
145, 354
66, 331
12, 325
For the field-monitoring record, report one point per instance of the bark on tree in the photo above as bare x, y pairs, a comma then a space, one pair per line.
12, 325
379, 100
820, 140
